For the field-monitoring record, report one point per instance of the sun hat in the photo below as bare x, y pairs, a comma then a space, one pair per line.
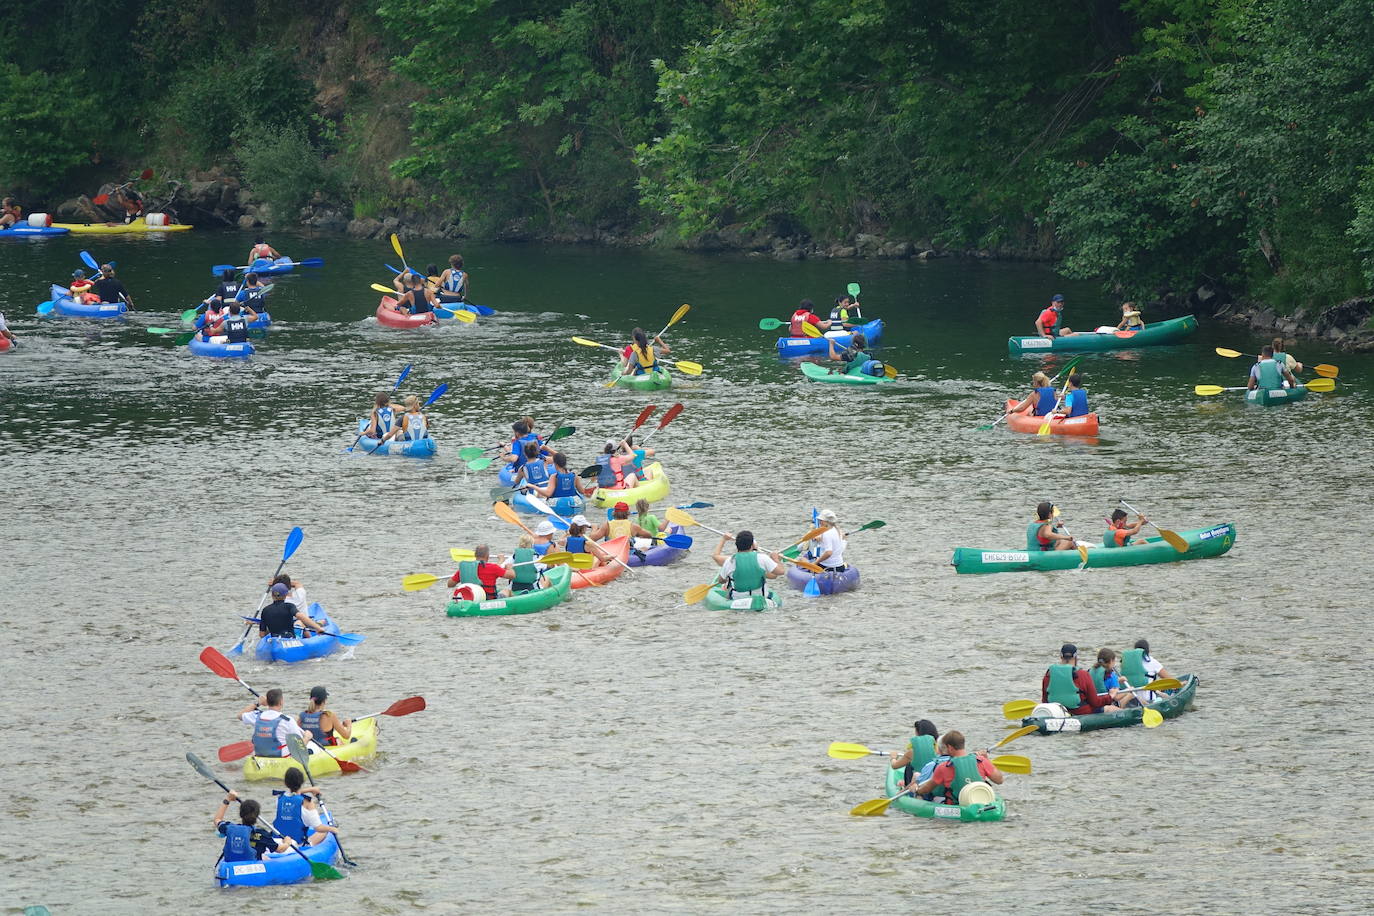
579, 520
544, 527
827, 515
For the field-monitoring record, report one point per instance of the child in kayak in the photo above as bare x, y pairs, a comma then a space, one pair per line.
1130, 318
524, 572
80, 288
804, 316
856, 358
562, 482
1118, 533
1041, 400
1045, 533
1103, 671
298, 815
246, 841
1076, 401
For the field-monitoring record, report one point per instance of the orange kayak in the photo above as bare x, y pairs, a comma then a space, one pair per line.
600, 575
1085, 425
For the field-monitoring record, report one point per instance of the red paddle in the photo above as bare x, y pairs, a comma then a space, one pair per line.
217, 662
231, 752
399, 708
668, 417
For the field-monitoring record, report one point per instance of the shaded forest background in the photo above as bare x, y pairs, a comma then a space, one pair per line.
1157, 144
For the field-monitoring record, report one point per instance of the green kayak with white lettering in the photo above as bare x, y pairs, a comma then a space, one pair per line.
1161, 332
994, 811
1202, 543
541, 599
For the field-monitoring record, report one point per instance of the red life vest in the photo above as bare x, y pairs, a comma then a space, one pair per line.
1049, 318
799, 317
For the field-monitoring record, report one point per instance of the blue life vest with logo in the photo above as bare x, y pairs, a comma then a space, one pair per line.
605, 476
518, 447
265, 743
310, 722
454, 283
576, 544
289, 822
238, 843
565, 484
236, 328
1063, 689
385, 418
1046, 401
536, 472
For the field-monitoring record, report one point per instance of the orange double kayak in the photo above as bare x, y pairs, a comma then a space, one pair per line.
600, 575
1085, 425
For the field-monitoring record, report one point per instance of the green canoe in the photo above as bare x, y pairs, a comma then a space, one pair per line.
1170, 705
718, 600
922, 808
649, 381
822, 374
1161, 332
1202, 543
541, 599
1268, 398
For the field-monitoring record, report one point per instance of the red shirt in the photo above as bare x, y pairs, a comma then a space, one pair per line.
802, 315
943, 774
488, 574
1049, 318
1086, 689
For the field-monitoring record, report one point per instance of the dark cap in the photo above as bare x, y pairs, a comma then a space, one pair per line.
1068, 650
279, 589
319, 693
1057, 297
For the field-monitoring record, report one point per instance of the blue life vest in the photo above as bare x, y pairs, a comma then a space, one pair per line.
605, 476
576, 544
1077, 399
238, 843
565, 485
385, 418
265, 743
1046, 402
518, 447
289, 822
541, 549
310, 722
536, 472
454, 283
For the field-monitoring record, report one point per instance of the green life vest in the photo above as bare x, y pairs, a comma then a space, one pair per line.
748, 575
1062, 688
467, 572
649, 523
859, 359
1098, 680
1133, 667
1032, 539
1109, 539
922, 751
965, 772
1270, 377
523, 574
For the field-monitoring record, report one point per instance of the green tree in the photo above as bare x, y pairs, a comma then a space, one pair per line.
45, 135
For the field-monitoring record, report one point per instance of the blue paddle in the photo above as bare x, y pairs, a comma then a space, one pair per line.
293, 541
307, 262
698, 506
399, 379
434, 395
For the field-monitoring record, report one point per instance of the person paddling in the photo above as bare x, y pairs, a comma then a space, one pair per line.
743, 574
321, 724
383, 420
524, 572
1045, 534
261, 251
562, 483
478, 575
231, 327
1138, 668
252, 288
619, 525
1076, 399
1269, 374
534, 472
844, 310
804, 315
1048, 322
1119, 533
246, 841
414, 424
1103, 671
855, 357
270, 726
1073, 688
919, 758
830, 545
281, 617
298, 816
1042, 398
109, 289
640, 358
1284, 358
80, 288
11, 214
948, 779
453, 282
415, 300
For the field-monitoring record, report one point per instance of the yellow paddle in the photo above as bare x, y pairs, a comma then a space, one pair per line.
1014, 763
1326, 370
842, 750
683, 366
697, 592
416, 582
1152, 718
1172, 538
1020, 709
1044, 429
677, 316
460, 555
462, 315
1317, 384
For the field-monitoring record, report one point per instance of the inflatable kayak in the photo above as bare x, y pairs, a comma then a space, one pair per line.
139, 225
266, 267
657, 380
600, 575
658, 554
362, 745
1270, 397
653, 489
25, 231
388, 316
460, 305
1161, 332
826, 374
1202, 543
263, 321
1085, 425
718, 600
277, 867
407, 448
5, 344
540, 599
829, 583
995, 811
1170, 705
64, 304
566, 506
804, 346
202, 347
300, 648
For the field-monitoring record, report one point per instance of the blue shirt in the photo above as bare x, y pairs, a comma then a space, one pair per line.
1077, 400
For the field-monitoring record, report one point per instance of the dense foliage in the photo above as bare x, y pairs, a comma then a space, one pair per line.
1154, 143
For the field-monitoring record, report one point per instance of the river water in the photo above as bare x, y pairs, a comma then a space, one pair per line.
622, 751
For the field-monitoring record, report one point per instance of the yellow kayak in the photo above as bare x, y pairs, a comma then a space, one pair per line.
363, 744
138, 225
653, 489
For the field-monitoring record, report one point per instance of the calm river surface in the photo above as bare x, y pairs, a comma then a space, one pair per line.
622, 751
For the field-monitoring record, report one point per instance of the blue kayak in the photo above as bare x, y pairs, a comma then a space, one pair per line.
25, 231
566, 506
458, 305
277, 867
264, 321
300, 648
804, 346
201, 347
409, 448
64, 304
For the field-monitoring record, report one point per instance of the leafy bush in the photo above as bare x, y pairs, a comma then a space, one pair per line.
281, 166
45, 133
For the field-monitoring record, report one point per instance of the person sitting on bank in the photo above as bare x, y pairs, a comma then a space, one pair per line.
1047, 324
920, 757
948, 778
246, 841
1045, 534
743, 574
270, 726
298, 815
321, 724
281, 617
1119, 533
1073, 688
1269, 374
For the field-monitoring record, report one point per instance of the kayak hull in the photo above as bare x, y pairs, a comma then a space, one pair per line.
805, 346
461, 305
657, 380
389, 317
265, 267
1157, 334
964, 814
263, 321
653, 489
659, 554
560, 581
138, 225
1266, 398
406, 448
1169, 705
1085, 425
25, 231
362, 745
718, 600
277, 867
70, 308
1203, 543
299, 649
829, 583
600, 575
824, 374
201, 347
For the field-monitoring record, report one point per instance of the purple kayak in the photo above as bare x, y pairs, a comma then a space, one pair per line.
659, 554
828, 583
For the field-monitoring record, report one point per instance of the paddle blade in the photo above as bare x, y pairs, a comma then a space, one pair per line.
556, 559
671, 415
644, 416
436, 394
383, 289
696, 593
1228, 352
678, 517
501, 494
45, 308
293, 541
1322, 384
810, 330
396, 246
804, 564
875, 808
296, 745
311, 262
769, 324
506, 514
582, 561
843, 750
1327, 370
469, 453
812, 589
404, 707
852, 289
418, 582
1173, 539
1207, 391
88, 260
696, 505
589, 472
1152, 718
460, 555
1164, 683
688, 368
201, 768
678, 541
464, 316
1017, 709
100, 200
231, 752
876, 523
216, 661
678, 315
1013, 763
162, 330
479, 464
588, 343
890, 371
1019, 733
561, 432
1044, 429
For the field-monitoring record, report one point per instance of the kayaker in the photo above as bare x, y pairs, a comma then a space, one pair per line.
1047, 324
1130, 318
1103, 671
109, 289
637, 456
855, 357
6, 333
640, 357
830, 543
262, 251
414, 423
523, 571
1139, 669
619, 525
1040, 402
615, 466
1076, 399
298, 815
534, 472
270, 726
229, 286
321, 724
478, 573
1269, 374
1044, 533
804, 315
281, 617
1283, 357
131, 201
295, 591
232, 327
646, 519
562, 482
543, 537
948, 778
1118, 533
416, 300
383, 418
81, 287
453, 282
1072, 687
246, 841
252, 289
840, 315
743, 574
11, 214
919, 758
523, 434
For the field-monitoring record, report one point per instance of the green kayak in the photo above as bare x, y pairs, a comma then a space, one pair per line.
823, 374
718, 600
1161, 332
922, 808
541, 599
1202, 543
649, 381
1170, 705
1270, 397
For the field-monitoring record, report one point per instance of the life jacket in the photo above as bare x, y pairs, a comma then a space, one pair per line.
236, 328
310, 723
541, 549
965, 772
524, 575
645, 359
518, 449
748, 575
468, 574
417, 427
575, 544
1110, 539
1034, 540
265, 743
1133, 667
238, 843
1046, 399
288, 821
247, 293
608, 476
385, 417
1063, 689
454, 283
799, 317
839, 314
565, 484
1077, 399
261, 252
536, 472
1270, 376
1099, 678
618, 528
1049, 319
922, 751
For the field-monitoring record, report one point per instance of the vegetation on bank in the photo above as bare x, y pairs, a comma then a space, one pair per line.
1155, 143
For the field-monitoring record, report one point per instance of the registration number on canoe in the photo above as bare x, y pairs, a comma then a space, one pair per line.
491, 605
252, 868
1036, 343
946, 811
1063, 725
290, 644
742, 604
1005, 556
1216, 532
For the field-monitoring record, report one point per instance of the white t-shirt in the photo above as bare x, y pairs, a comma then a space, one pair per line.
765, 563
832, 541
1152, 669
288, 725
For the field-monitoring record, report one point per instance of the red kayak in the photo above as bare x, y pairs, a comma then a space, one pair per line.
600, 575
1085, 425
387, 315
4, 344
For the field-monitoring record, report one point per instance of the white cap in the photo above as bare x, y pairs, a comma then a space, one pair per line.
579, 520
827, 515
613, 442
545, 527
